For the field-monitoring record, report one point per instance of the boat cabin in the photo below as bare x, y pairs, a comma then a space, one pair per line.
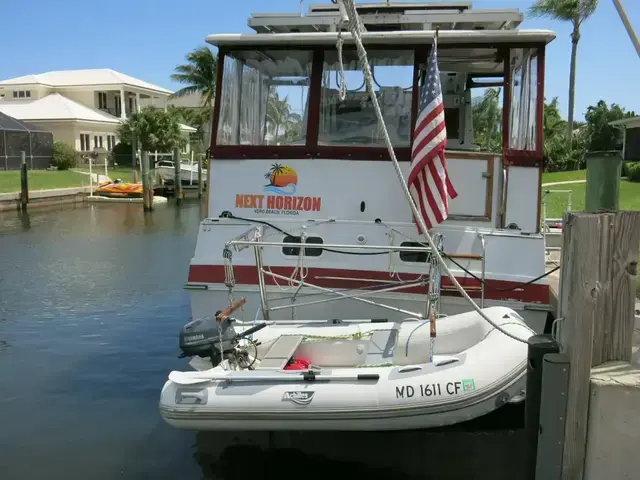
293, 116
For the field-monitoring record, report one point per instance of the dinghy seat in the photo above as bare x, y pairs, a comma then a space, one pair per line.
280, 352
382, 347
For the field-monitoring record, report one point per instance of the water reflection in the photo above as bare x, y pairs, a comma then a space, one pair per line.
25, 221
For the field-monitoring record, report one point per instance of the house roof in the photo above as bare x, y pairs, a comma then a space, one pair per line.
54, 107
8, 123
630, 122
83, 78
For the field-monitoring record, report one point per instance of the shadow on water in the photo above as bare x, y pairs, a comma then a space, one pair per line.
255, 463
490, 447
91, 301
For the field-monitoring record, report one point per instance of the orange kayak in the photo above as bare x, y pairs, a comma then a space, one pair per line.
120, 189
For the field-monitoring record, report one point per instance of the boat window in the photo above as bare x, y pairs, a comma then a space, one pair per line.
468, 77
264, 97
308, 252
524, 95
353, 121
421, 257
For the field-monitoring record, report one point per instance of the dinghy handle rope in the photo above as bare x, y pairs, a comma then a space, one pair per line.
348, 10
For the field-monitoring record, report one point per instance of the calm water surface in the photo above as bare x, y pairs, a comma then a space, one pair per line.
91, 301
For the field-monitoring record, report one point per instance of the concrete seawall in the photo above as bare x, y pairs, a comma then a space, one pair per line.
44, 198
614, 424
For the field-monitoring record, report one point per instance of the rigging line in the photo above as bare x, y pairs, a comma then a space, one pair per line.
355, 27
473, 275
344, 252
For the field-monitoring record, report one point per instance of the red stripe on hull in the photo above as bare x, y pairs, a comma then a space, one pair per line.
494, 289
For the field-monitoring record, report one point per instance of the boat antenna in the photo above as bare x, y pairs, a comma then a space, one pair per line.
348, 8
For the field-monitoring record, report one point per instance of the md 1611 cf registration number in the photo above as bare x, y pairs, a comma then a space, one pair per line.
436, 389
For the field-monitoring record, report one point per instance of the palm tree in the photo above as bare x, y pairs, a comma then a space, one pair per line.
576, 12
279, 116
487, 116
199, 74
275, 170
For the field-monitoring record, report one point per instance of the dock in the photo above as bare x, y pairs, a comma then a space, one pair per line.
589, 387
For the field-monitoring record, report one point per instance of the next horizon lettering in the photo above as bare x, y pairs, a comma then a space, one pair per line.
277, 202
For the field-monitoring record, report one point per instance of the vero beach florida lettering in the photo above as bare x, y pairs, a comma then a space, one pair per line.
278, 202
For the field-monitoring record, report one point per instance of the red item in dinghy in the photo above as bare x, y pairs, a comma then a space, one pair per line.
297, 363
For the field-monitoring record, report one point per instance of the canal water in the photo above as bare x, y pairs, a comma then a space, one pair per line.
91, 301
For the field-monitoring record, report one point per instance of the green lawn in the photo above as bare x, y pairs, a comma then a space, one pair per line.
41, 180
557, 202
563, 176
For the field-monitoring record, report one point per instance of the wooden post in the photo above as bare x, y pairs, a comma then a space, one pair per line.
134, 156
177, 181
24, 182
147, 190
597, 302
200, 176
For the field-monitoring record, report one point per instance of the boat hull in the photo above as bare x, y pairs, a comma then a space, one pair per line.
187, 176
487, 371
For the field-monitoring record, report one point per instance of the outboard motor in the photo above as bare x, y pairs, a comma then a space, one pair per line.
215, 338
202, 337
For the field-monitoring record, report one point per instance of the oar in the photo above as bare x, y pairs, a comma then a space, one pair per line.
192, 378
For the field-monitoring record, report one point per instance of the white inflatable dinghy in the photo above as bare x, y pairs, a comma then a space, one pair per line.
358, 376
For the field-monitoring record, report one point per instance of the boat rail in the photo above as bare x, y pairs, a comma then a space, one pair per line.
254, 238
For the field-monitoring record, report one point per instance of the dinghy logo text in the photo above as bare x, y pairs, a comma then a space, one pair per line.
300, 398
279, 196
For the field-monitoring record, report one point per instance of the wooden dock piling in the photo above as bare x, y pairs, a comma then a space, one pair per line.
134, 158
596, 311
24, 182
147, 188
199, 176
177, 181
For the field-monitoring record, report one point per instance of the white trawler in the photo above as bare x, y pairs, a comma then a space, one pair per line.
341, 333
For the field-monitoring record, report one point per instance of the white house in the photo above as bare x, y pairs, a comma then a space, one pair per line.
80, 107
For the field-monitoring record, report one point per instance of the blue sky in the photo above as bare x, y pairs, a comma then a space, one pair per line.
147, 39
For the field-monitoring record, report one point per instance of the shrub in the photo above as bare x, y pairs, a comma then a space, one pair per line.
65, 156
122, 155
633, 169
625, 168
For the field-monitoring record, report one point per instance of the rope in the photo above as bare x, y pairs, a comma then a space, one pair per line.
355, 27
342, 85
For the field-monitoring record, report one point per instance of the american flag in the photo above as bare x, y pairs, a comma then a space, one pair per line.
429, 181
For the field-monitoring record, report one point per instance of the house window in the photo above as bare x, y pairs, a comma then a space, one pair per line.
131, 105
102, 100
85, 142
97, 141
118, 106
111, 142
22, 94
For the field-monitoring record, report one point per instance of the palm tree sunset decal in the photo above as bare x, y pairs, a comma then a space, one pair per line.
282, 179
